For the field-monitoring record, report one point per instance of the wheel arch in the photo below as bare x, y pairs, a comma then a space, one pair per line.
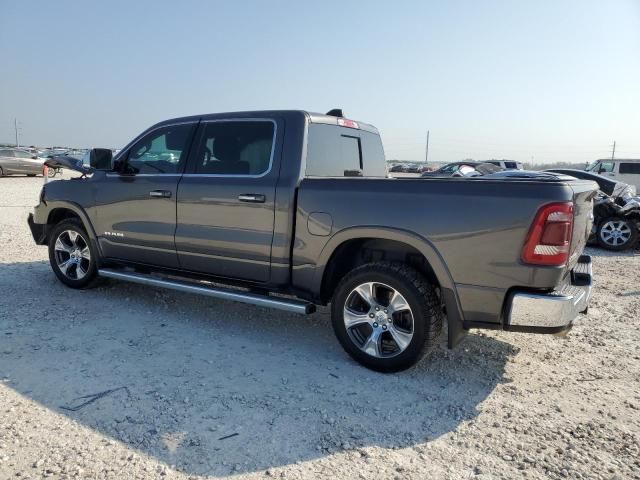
348, 248
62, 210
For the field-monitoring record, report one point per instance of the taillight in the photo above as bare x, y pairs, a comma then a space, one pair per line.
549, 238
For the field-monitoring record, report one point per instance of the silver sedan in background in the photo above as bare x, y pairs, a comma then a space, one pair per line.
16, 161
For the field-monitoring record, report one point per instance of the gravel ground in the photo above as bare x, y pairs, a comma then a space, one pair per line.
207, 388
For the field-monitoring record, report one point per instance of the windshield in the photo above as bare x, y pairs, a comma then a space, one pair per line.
453, 167
592, 167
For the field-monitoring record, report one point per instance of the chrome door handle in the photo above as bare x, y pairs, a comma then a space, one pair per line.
160, 193
252, 197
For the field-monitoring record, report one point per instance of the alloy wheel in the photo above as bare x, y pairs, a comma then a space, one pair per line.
378, 319
615, 233
72, 254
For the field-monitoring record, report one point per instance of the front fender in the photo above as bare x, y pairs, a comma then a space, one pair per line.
42, 214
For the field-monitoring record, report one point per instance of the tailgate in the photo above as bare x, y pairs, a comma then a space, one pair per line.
583, 194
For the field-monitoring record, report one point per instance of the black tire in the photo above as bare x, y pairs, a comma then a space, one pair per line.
31, 174
421, 297
1, 172
89, 279
625, 225
52, 172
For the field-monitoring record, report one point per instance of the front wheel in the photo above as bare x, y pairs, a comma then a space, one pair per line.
617, 233
71, 254
52, 172
386, 316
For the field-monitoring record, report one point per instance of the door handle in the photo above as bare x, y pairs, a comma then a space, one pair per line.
160, 193
252, 197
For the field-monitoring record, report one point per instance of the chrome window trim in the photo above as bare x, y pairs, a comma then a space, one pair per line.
229, 175
124, 175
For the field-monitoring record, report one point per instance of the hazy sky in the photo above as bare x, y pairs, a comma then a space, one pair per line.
553, 80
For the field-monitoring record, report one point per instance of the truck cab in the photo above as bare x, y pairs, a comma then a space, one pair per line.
619, 169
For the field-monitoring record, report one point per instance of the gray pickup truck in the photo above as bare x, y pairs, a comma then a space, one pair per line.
291, 209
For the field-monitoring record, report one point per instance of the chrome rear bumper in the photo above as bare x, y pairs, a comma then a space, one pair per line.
554, 311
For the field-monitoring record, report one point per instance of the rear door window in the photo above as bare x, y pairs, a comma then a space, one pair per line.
243, 147
632, 168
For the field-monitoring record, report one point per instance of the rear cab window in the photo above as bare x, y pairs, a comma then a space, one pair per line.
336, 151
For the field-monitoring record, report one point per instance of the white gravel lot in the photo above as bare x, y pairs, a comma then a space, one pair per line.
217, 389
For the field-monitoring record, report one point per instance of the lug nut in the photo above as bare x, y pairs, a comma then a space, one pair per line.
384, 327
371, 315
386, 311
377, 308
375, 324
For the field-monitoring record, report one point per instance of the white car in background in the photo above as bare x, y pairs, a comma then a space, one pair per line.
625, 170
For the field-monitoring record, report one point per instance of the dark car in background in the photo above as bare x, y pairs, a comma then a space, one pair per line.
463, 169
616, 210
398, 168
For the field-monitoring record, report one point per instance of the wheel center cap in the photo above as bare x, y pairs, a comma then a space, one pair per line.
381, 318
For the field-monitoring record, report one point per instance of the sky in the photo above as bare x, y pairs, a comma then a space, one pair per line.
541, 81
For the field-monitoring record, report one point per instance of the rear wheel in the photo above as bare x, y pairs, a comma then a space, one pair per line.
386, 316
52, 172
71, 254
617, 233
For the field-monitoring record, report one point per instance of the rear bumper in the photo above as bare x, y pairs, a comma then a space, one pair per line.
38, 230
552, 312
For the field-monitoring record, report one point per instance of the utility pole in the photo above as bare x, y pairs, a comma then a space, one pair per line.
15, 125
613, 152
426, 158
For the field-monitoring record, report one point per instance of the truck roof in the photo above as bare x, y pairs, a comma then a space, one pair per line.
312, 117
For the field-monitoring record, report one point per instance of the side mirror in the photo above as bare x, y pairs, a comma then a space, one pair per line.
101, 159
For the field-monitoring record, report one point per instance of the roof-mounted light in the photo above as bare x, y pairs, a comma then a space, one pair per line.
343, 122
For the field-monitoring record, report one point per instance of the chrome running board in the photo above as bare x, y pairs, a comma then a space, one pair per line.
294, 306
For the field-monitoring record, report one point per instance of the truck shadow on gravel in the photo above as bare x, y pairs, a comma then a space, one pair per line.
216, 387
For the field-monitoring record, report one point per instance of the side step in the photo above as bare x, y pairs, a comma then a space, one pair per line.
294, 306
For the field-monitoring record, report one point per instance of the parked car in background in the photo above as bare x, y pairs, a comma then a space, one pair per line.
616, 210
463, 169
398, 168
626, 170
413, 168
54, 152
506, 164
608, 185
21, 162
